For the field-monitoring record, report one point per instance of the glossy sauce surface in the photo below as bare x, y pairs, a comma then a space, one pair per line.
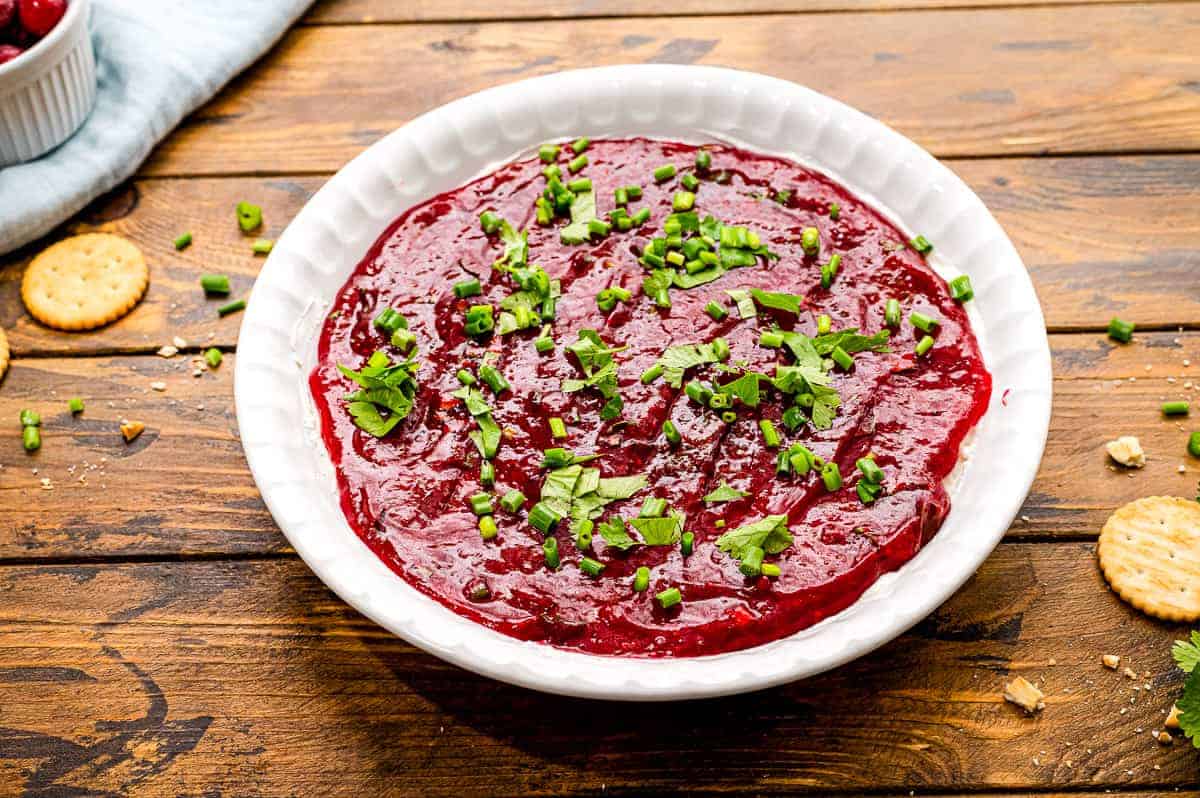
406, 495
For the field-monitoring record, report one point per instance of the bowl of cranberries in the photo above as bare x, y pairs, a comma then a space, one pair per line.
47, 75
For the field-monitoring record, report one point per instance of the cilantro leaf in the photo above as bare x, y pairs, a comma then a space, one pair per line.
367, 418
825, 405
516, 246
745, 387
614, 488
769, 534
614, 533
852, 342
384, 386
583, 210
725, 493
1187, 654
657, 285
685, 280
678, 359
1189, 708
660, 531
778, 301
599, 369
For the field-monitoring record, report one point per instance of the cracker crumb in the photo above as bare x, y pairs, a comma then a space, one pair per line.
180, 343
1130, 673
1164, 738
1127, 451
46, 484
158, 385
167, 351
1022, 693
132, 429
1172, 721
1111, 661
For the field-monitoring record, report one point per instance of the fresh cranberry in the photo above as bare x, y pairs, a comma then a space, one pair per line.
8, 52
8, 9
40, 16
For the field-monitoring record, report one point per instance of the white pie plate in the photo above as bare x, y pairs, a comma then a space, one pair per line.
450, 145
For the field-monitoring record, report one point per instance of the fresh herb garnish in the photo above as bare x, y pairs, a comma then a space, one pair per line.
599, 370
779, 301
770, 534
487, 437
744, 302
385, 386
676, 360
583, 210
1187, 656
581, 494
725, 493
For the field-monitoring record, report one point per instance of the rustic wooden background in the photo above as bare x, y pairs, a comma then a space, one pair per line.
158, 636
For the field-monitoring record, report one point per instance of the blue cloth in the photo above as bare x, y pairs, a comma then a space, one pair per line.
156, 63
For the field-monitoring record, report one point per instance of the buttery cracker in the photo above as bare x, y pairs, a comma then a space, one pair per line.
85, 282
3, 354
1150, 554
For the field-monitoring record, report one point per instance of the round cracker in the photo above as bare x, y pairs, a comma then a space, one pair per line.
1150, 554
85, 282
3, 354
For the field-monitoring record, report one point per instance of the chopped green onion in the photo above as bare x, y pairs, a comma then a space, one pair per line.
960, 289
76, 406
835, 210
842, 358
891, 313
922, 322
249, 217
545, 211
262, 246
481, 504
635, 192
689, 182
580, 184
183, 241
770, 434
721, 349
598, 228
580, 144
867, 492
30, 418
831, 477
467, 288
543, 517
921, 244
810, 241
824, 324
512, 501
683, 201
793, 418
752, 561
213, 357
550, 549
641, 579
606, 301
1120, 330
490, 221
493, 379
830, 270
870, 471
1175, 408
1193, 445
214, 283
479, 321
703, 160
591, 567
31, 439
548, 153
716, 312
621, 196
697, 393
641, 217
687, 543
548, 308
770, 339
671, 432
558, 428
651, 374
675, 258
801, 459
924, 345
783, 466
729, 417
577, 163
719, 401
232, 307
487, 527
465, 377
487, 474
664, 173
669, 598
771, 570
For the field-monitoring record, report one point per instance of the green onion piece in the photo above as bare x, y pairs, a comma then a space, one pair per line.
183, 241
545, 211
262, 246
487, 527
824, 324
544, 344
653, 507
1193, 445
921, 244
793, 418
550, 549
481, 504
960, 289
479, 321
31, 439
810, 241
830, 270
651, 374
842, 358
30, 418
716, 312
548, 153
703, 160
719, 401
606, 301
641, 579
232, 307
671, 432
621, 196
752, 561
871, 472
770, 434
465, 377
687, 543
835, 210
556, 457
467, 288
487, 474
389, 321
675, 258
583, 534
214, 283
783, 465
558, 428
689, 182
652, 260
664, 173
1120, 330
891, 313
831, 477
770, 569
580, 184
729, 416
721, 349
212, 356
577, 163
543, 517
641, 217
512, 501
598, 228
552, 172
924, 345
801, 459
490, 221
697, 393
683, 201
669, 598
548, 308
580, 144
591, 567
867, 492
75, 405
922, 322
493, 379
249, 217
635, 192
1175, 408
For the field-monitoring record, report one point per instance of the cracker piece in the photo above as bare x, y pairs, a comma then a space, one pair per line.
1150, 554
85, 282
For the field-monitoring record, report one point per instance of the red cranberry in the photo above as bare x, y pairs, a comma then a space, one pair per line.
8, 9
40, 16
8, 52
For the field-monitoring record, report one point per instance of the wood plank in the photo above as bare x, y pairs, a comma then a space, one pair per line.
183, 486
250, 678
1037, 80
1101, 236
365, 12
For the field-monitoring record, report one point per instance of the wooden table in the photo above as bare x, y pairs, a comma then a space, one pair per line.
159, 637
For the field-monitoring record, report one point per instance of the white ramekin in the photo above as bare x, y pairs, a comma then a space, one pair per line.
47, 92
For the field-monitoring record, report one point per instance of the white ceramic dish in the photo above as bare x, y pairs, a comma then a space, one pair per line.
47, 92
456, 142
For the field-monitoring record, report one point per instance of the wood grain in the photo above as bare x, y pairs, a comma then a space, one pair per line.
183, 487
1099, 79
1101, 236
251, 678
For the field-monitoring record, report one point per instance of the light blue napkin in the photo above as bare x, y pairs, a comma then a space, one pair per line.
156, 63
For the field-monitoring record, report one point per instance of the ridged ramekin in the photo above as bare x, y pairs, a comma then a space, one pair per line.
47, 92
